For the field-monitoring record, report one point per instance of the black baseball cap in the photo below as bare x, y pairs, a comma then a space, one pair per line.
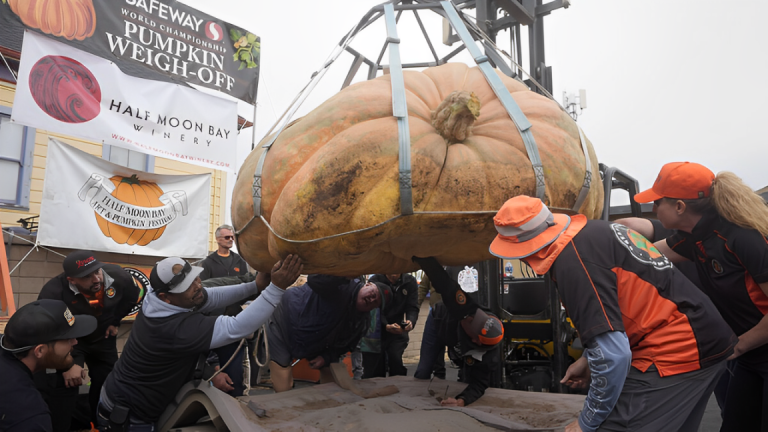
44, 321
487, 327
81, 263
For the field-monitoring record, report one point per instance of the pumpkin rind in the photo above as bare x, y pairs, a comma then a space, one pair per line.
336, 170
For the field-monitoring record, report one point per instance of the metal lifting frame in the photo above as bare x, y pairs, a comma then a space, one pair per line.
467, 33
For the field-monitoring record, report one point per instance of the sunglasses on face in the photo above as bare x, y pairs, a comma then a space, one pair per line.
178, 277
228, 237
658, 202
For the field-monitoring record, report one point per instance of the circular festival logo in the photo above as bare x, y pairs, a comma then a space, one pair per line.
461, 298
142, 281
214, 31
65, 89
640, 247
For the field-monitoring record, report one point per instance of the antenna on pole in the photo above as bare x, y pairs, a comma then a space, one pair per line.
575, 103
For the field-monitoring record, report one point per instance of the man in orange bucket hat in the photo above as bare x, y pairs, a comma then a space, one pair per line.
655, 344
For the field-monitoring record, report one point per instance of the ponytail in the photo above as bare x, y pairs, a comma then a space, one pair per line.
737, 203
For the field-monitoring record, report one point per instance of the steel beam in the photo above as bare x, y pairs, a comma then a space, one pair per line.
521, 13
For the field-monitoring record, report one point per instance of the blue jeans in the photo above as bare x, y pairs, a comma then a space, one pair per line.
432, 350
235, 368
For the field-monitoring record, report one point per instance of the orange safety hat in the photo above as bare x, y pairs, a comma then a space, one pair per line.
525, 226
680, 180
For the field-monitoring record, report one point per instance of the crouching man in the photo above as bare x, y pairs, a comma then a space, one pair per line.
320, 321
172, 336
655, 344
471, 334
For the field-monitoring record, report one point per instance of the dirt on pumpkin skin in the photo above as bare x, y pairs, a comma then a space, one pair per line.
331, 192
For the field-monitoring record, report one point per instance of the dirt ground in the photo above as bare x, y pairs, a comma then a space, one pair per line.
327, 407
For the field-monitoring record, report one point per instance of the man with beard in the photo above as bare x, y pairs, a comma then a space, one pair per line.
320, 321
172, 336
40, 335
88, 287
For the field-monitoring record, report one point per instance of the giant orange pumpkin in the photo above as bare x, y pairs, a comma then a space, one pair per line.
70, 19
335, 171
142, 193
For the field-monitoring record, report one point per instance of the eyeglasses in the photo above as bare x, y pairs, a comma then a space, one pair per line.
658, 202
179, 277
228, 237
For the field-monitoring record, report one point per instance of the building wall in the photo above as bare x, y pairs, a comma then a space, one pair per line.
10, 217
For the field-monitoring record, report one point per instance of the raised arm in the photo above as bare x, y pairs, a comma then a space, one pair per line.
229, 329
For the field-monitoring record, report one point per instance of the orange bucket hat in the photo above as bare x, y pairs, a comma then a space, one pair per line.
681, 180
525, 226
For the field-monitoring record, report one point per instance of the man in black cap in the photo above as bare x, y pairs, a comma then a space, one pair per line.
172, 336
38, 336
471, 335
87, 287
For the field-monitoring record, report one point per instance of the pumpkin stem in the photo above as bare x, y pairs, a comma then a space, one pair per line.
454, 117
131, 180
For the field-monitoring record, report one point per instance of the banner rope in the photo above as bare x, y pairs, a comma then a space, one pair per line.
36, 247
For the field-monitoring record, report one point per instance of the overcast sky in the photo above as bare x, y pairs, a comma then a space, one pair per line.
665, 80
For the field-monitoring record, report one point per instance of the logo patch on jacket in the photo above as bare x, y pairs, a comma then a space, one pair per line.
640, 247
461, 298
110, 292
69, 317
717, 267
237, 269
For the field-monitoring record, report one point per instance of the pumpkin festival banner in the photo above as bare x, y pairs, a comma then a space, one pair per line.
69, 91
89, 203
165, 37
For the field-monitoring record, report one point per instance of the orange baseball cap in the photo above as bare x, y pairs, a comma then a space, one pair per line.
525, 226
681, 180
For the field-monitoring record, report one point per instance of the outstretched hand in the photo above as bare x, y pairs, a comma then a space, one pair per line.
452, 402
578, 374
286, 271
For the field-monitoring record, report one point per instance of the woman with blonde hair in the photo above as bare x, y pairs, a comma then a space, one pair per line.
722, 226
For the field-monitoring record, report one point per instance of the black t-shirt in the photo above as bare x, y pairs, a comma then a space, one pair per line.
731, 261
160, 356
215, 266
22, 408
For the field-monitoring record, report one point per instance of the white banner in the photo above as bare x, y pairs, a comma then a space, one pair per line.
65, 90
89, 203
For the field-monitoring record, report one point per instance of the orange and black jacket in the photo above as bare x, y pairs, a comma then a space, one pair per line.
611, 278
731, 261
